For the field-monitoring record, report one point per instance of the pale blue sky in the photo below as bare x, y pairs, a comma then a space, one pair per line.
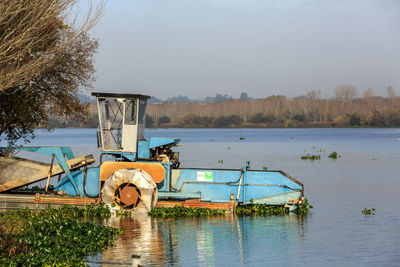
199, 48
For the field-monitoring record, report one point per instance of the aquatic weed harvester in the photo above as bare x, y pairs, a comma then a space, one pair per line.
138, 173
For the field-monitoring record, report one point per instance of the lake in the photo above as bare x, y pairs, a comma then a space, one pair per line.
335, 233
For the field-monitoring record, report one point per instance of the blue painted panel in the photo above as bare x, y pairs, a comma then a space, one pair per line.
118, 156
144, 149
218, 185
164, 185
66, 150
215, 186
92, 183
159, 141
274, 183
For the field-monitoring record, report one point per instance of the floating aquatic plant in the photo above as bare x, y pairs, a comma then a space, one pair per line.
261, 209
303, 207
368, 211
53, 237
241, 138
311, 157
334, 155
221, 161
179, 211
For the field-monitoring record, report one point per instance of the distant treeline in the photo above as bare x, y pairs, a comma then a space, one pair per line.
344, 110
278, 111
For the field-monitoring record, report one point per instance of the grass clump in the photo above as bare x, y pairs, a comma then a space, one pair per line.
178, 211
53, 237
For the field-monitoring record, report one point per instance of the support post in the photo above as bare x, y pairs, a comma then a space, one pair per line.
51, 169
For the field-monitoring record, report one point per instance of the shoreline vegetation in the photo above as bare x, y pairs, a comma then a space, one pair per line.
272, 112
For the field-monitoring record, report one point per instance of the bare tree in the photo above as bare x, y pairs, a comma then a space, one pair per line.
369, 93
346, 92
390, 91
29, 41
43, 63
314, 95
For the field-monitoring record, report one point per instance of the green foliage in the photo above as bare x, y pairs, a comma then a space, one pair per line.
123, 213
20, 113
179, 211
334, 155
193, 121
355, 119
164, 119
53, 237
27, 106
368, 211
226, 121
261, 209
387, 117
299, 117
149, 121
303, 207
221, 161
311, 157
257, 118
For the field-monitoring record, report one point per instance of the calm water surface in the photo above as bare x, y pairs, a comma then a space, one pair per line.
335, 233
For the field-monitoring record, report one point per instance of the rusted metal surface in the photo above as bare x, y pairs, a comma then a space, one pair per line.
196, 203
40, 201
16, 172
127, 196
65, 200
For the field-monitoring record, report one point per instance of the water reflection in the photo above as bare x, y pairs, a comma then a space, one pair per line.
203, 241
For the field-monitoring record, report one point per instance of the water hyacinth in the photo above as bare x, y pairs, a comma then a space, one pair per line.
179, 211
311, 157
249, 209
334, 155
261, 209
53, 237
366, 211
303, 208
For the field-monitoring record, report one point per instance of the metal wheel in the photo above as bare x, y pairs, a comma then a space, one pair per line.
127, 196
131, 189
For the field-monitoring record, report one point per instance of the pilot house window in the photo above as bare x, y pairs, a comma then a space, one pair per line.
130, 112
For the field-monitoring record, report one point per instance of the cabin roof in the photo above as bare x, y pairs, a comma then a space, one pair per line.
117, 95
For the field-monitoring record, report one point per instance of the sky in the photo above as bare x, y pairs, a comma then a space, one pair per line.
200, 48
